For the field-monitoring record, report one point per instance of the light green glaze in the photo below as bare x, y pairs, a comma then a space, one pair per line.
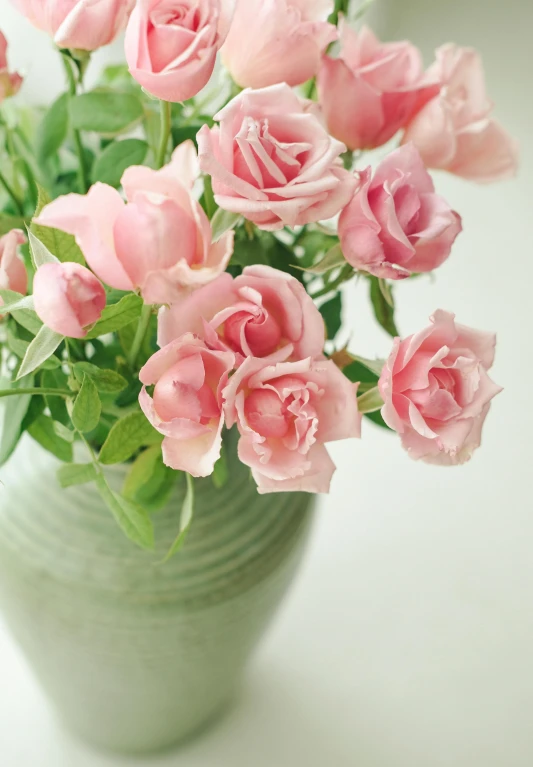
137, 656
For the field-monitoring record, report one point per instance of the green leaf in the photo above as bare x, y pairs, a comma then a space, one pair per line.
149, 481
220, 473
107, 112
126, 437
12, 416
142, 470
19, 347
25, 317
106, 381
377, 418
386, 292
116, 316
331, 311
44, 432
41, 348
187, 511
87, 407
8, 222
24, 302
223, 221
76, 474
333, 259
383, 312
52, 131
116, 157
62, 431
60, 244
370, 401
130, 517
39, 252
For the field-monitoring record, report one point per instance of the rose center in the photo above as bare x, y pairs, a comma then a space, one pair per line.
266, 413
174, 398
260, 333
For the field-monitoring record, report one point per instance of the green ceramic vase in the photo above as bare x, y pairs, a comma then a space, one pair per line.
135, 655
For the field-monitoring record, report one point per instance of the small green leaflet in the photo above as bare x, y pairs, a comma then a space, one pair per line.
60, 244
24, 302
53, 129
331, 260
130, 517
76, 474
25, 317
117, 316
126, 437
149, 481
39, 252
41, 348
370, 401
12, 416
116, 157
187, 511
107, 112
8, 222
87, 407
383, 310
223, 221
43, 430
106, 381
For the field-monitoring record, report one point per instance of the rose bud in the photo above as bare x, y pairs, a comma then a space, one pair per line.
159, 243
395, 224
273, 161
285, 413
68, 298
12, 270
171, 45
83, 24
276, 42
437, 391
373, 89
186, 405
10, 82
455, 130
262, 313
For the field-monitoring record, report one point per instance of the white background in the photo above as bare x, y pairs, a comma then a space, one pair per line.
408, 638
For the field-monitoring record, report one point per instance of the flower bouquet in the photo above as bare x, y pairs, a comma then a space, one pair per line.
177, 244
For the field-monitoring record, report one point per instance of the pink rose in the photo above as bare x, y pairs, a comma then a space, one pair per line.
262, 313
84, 24
186, 405
273, 161
455, 131
395, 224
436, 389
68, 298
275, 41
12, 270
10, 82
285, 413
159, 242
171, 45
373, 89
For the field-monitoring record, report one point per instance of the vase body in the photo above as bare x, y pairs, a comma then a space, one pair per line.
134, 654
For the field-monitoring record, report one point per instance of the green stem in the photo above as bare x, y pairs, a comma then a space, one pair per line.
341, 6
11, 192
47, 392
140, 333
166, 108
345, 275
83, 179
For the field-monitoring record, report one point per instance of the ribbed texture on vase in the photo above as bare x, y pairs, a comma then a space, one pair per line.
137, 654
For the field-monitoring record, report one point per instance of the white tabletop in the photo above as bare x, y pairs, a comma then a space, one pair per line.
407, 639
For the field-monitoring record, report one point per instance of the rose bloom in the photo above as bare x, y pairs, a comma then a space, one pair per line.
437, 391
285, 413
159, 242
455, 130
10, 82
395, 224
171, 45
186, 405
273, 161
373, 89
68, 298
12, 270
277, 41
83, 24
262, 313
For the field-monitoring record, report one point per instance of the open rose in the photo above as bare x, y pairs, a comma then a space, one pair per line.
373, 89
455, 130
186, 405
285, 413
84, 24
437, 391
12, 270
273, 161
171, 45
261, 313
68, 298
395, 224
277, 41
159, 242
10, 82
